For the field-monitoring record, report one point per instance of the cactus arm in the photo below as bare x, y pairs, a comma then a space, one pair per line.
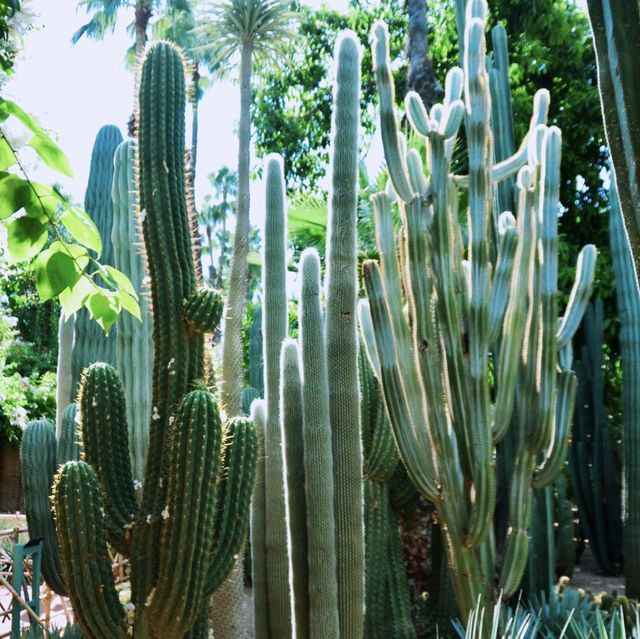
186, 542
258, 524
557, 454
478, 101
83, 552
382, 68
134, 343
318, 464
580, 295
66, 334
368, 335
38, 466
292, 421
275, 318
105, 445
178, 353
342, 337
240, 453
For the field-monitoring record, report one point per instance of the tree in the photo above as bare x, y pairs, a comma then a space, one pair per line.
293, 104
251, 30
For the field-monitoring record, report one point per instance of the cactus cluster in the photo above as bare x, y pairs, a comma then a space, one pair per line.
489, 302
184, 536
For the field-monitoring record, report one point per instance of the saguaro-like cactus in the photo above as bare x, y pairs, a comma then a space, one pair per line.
134, 344
91, 344
628, 297
191, 524
465, 309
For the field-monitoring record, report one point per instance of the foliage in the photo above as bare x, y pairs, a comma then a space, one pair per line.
293, 105
33, 213
11, 28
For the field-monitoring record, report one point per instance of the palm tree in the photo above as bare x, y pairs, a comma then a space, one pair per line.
249, 30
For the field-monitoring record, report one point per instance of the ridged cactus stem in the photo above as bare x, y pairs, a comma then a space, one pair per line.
134, 344
66, 334
342, 338
91, 344
318, 461
275, 321
178, 359
291, 416
258, 531
628, 297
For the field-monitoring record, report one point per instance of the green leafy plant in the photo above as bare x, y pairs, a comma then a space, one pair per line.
44, 226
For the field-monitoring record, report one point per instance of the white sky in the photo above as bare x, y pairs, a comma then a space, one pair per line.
75, 89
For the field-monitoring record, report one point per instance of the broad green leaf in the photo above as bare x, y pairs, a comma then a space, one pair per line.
45, 201
50, 153
26, 237
81, 228
55, 271
7, 158
130, 304
15, 193
77, 253
7, 108
122, 281
72, 299
104, 308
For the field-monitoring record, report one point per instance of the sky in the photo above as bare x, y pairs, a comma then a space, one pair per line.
73, 90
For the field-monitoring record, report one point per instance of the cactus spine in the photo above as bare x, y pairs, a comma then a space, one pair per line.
134, 345
435, 366
192, 520
342, 338
628, 298
91, 344
275, 326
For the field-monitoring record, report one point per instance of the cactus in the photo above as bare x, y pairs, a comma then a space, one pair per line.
66, 335
593, 473
184, 536
342, 338
255, 373
134, 345
628, 298
466, 312
91, 344
275, 321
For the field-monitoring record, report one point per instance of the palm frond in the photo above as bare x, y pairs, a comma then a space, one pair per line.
103, 21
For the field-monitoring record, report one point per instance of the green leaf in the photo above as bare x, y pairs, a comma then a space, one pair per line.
72, 299
130, 304
55, 271
45, 201
7, 108
81, 227
254, 258
7, 157
77, 253
26, 238
104, 308
15, 193
121, 281
50, 153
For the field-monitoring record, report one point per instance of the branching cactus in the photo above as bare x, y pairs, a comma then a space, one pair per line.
134, 344
480, 341
91, 344
185, 536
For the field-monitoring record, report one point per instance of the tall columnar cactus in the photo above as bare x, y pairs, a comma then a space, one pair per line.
342, 338
134, 344
255, 373
593, 473
468, 312
91, 344
275, 320
185, 536
40, 455
63, 372
628, 297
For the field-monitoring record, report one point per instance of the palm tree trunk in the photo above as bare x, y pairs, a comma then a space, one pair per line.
421, 77
195, 79
227, 601
142, 17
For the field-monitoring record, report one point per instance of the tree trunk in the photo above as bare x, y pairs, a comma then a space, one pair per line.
227, 601
195, 81
142, 17
421, 76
